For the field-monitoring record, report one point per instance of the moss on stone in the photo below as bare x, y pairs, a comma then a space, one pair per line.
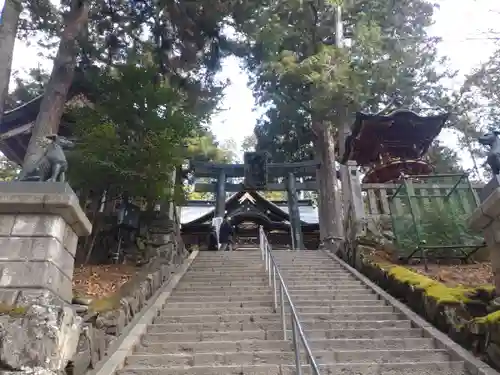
492, 318
12, 310
432, 288
105, 304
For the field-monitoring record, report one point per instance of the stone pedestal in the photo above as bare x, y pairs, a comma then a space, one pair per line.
486, 219
40, 224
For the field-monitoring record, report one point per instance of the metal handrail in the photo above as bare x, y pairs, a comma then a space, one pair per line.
297, 331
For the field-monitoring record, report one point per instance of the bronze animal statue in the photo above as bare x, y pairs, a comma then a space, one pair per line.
491, 140
52, 166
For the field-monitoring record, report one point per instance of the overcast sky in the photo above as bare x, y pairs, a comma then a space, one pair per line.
462, 24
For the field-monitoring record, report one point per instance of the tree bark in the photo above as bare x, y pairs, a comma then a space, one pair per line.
328, 192
8, 29
321, 206
61, 78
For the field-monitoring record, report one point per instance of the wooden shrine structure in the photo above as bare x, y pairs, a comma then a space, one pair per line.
289, 171
392, 145
248, 211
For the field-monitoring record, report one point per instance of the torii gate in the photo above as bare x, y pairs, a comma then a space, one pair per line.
290, 171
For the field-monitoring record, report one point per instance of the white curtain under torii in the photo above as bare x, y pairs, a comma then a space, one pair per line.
216, 223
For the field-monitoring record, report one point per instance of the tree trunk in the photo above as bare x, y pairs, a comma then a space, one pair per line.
321, 206
331, 207
8, 30
61, 78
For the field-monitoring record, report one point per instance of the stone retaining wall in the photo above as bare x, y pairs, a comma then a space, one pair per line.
106, 319
469, 316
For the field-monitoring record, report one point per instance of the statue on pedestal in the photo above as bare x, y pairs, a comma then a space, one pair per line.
491, 140
52, 166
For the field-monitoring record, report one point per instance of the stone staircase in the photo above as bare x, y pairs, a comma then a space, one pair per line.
219, 321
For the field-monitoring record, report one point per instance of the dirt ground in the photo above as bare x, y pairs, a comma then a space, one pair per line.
475, 274
452, 275
100, 281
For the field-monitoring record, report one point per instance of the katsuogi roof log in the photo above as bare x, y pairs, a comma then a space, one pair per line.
400, 134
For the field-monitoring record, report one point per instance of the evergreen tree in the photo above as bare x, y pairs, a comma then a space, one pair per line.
312, 86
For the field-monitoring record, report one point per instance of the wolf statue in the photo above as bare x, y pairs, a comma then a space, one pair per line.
491, 140
52, 166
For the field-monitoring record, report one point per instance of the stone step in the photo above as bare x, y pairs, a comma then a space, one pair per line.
316, 334
258, 266
250, 253
316, 262
235, 292
269, 302
219, 273
262, 273
281, 358
292, 280
327, 294
208, 328
268, 297
406, 368
226, 261
248, 320
402, 368
284, 346
263, 286
325, 267
294, 290
239, 318
257, 280
220, 320
246, 310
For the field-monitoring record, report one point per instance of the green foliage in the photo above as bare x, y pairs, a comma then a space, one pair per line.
436, 221
249, 143
305, 79
443, 159
274, 195
204, 147
134, 135
8, 169
25, 91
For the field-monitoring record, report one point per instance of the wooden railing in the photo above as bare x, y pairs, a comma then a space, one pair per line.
376, 197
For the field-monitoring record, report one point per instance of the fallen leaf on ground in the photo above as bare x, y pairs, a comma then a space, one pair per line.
101, 281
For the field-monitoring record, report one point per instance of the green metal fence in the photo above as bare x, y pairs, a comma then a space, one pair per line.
429, 217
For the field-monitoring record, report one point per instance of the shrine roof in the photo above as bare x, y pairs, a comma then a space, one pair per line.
16, 124
202, 212
402, 133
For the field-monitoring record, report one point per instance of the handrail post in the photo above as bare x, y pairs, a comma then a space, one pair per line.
271, 271
275, 298
266, 256
282, 308
296, 347
261, 243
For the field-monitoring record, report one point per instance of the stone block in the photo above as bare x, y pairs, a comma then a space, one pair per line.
492, 235
491, 205
81, 361
36, 249
70, 240
478, 221
36, 275
56, 329
55, 198
486, 191
37, 225
9, 296
6, 224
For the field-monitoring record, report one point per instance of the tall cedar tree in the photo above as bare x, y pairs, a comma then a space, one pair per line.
312, 87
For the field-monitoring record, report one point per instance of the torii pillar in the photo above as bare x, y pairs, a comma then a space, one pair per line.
294, 213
